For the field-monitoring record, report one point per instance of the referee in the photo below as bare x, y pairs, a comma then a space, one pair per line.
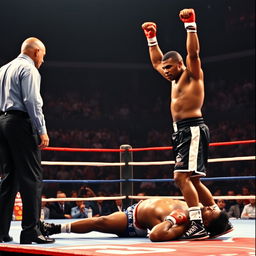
22, 136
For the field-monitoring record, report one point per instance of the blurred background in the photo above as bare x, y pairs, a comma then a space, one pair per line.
100, 90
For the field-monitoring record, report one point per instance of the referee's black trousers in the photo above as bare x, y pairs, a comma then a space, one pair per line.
20, 166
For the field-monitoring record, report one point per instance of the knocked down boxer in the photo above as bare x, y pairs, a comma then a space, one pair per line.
167, 219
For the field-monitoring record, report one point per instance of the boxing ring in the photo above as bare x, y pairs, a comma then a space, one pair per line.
241, 241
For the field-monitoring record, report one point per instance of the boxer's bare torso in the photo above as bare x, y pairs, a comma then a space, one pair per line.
187, 93
187, 96
151, 212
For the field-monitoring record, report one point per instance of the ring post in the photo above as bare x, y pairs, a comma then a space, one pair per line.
126, 172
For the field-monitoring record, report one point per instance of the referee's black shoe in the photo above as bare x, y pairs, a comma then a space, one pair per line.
6, 239
29, 237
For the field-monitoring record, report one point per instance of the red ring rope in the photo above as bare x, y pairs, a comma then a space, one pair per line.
83, 149
141, 149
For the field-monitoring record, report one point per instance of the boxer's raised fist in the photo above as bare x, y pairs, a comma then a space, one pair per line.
149, 29
187, 15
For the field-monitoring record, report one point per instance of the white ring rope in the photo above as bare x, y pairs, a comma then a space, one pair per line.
72, 199
151, 163
213, 160
181, 197
231, 159
82, 163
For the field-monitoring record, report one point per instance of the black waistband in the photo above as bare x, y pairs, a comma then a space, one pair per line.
195, 121
15, 113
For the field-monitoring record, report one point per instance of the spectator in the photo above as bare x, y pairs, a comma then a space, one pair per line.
61, 209
217, 192
45, 211
74, 195
86, 192
140, 194
246, 192
106, 207
249, 210
229, 203
222, 204
79, 210
236, 209
119, 204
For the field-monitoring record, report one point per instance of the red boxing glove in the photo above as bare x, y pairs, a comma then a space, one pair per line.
188, 15
149, 29
150, 33
177, 217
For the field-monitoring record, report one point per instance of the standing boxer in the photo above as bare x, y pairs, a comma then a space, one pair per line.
191, 135
22, 135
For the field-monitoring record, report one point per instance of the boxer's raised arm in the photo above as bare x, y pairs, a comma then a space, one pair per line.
155, 52
193, 61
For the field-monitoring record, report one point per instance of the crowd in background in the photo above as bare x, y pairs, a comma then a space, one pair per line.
221, 95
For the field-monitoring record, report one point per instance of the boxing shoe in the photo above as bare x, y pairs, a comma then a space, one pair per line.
6, 239
33, 237
196, 231
48, 229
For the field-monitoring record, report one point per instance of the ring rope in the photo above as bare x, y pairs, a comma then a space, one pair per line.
84, 181
72, 199
141, 149
181, 197
203, 179
147, 180
142, 163
211, 145
231, 159
81, 163
213, 160
83, 149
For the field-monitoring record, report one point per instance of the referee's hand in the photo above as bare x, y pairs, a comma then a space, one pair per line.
44, 141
